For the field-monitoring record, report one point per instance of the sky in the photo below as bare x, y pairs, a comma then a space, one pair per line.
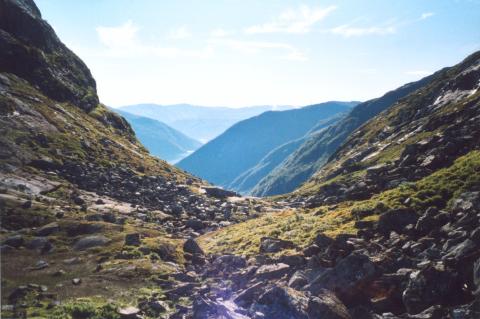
261, 52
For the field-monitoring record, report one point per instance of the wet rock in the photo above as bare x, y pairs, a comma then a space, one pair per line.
41, 264
191, 246
281, 303
273, 245
206, 308
91, 241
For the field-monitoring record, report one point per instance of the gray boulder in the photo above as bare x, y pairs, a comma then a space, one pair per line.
91, 241
273, 245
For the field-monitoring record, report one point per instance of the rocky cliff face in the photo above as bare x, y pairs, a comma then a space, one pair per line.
85, 209
30, 49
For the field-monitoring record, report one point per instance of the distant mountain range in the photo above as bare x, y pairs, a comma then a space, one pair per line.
160, 139
318, 147
201, 122
238, 150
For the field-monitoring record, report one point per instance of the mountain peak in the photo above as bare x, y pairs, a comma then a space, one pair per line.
30, 49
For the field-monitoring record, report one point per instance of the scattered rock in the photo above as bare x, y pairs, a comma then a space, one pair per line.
14, 241
273, 245
267, 272
396, 220
191, 246
47, 229
133, 239
76, 281
91, 241
128, 312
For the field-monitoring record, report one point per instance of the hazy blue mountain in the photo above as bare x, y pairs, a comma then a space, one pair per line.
248, 179
202, 122
243, 145
317, 148
160, 139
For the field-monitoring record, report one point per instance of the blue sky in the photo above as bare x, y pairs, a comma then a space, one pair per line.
245, 52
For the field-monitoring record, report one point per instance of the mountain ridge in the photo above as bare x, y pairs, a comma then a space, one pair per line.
160, 139
314, 153
203, 122
244, 144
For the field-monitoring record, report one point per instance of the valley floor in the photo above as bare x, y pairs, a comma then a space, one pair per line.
69, 253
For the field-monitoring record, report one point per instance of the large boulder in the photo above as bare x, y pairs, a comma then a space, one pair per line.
229, 263
218, 192
191, 246
286, 303
91, 241
326, 306
273, 245
14, 241
47, 229
396, 220
267, 272
431, 286
347, 279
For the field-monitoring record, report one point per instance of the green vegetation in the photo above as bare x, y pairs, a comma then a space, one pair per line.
86, 308
302, 226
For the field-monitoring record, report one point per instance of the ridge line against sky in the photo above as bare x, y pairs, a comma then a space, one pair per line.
238, 53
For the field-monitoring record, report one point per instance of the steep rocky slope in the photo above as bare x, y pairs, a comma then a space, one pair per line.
316, 150
425, 131
86, 211
243, 145
160, 139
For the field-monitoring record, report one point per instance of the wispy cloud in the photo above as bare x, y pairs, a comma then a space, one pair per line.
418, 72
287, 51
122, 41
300, 20
120, 36
219, 33
348, 30
426, 15
179, 33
